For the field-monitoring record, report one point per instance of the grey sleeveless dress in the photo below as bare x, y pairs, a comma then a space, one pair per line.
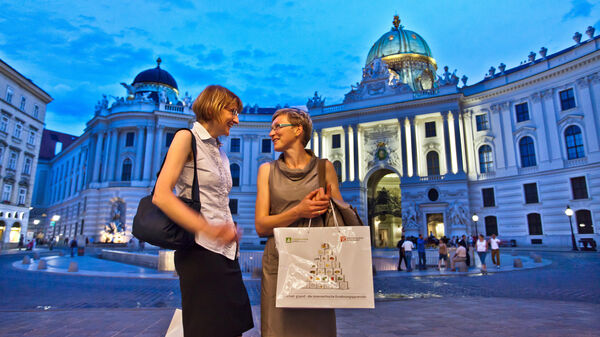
287, 187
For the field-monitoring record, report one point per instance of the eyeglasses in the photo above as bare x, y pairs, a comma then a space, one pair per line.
234, 112
277, 127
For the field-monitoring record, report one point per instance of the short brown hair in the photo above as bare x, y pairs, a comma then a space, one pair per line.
297, 117
212, 100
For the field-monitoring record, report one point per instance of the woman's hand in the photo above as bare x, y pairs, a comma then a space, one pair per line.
223, 233
322, 195
313, 205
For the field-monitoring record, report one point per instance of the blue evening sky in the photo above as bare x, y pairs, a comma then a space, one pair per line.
269, 52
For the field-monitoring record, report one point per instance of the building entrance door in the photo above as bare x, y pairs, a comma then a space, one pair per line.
435, 224
384, 211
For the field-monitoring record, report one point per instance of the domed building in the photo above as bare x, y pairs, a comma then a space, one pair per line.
415, 152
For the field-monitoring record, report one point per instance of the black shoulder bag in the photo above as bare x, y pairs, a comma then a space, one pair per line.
151, 225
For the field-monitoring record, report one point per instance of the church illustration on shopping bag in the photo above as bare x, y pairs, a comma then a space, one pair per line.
326, 271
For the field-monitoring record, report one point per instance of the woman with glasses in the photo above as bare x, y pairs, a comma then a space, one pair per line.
213, 297
288, 194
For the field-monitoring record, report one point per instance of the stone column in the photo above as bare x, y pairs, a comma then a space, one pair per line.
248, 162
96, 168
594, 83
318, 145
587, 107
455, 142
508, 138
347, 147
541, 134
403, 146
552, 126
138, 153
415, 155
409, 148
447, 153
112, 155
148, 154
470, 152
496, 125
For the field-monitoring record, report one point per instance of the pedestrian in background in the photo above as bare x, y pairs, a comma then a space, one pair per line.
421, 251
463, 242
408, 247
401, 255
482, 246
20, 245
73, 246
443, 254
495, 247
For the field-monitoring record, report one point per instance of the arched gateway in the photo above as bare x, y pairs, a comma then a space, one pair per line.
384, 212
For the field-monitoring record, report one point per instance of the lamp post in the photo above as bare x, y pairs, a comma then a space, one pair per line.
569, 213
475, 218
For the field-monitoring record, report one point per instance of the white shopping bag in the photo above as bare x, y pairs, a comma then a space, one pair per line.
324, 267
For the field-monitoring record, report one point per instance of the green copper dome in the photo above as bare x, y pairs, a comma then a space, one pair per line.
398, 41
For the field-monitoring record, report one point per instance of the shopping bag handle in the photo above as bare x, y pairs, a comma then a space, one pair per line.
332, 210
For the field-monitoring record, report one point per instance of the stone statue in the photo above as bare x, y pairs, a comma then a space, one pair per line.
187, 100
130, 90
162, 96
104, 102
409, 216
315, 102
457, 215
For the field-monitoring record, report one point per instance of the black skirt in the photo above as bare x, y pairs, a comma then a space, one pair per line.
214, 299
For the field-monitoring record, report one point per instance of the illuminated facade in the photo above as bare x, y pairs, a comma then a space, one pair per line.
22, 113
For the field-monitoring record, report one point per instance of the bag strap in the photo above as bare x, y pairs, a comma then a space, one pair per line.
321, 173
195, 186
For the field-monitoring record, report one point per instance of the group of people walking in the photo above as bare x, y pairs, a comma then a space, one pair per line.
461, 253
214, 299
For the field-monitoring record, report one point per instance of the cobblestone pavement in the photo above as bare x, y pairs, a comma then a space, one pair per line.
561, 299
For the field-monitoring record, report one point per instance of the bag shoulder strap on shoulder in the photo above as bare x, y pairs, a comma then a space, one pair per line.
321, 173
195, 186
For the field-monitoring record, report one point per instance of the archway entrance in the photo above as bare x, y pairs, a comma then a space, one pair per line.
383, 207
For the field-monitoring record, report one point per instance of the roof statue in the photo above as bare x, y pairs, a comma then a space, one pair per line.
315, 102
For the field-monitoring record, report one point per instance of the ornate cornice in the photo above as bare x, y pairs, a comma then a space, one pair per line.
582, 82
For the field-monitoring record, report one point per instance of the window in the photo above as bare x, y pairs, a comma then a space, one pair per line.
336, 141
337, 165
36, 111
482, 122
234, 145
6, 192
574, 142
4, 124
1, 154
486, 163
584, 222
82, 222
129, 139
126, 171
488, 197
534, 222
430, 129
169, 138
57, 148
522, 111
235, 174
491, 225
531, 193
22, 195
527, 152
579, 188
27, 166
265, 146
12, 160
18, 129
31, 138
9, 94
433, 164
23, 101
567, 99
233, 206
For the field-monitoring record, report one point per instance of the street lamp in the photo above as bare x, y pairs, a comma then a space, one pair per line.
475, 218
569, 213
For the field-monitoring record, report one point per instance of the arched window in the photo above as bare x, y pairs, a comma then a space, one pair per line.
235, 174
534, 222
337, 165
491, 225
527, 152
126, 171
584, 221
486, 163
574, 142
433, 164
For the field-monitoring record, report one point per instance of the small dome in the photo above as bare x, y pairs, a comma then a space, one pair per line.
156, 75
398, 41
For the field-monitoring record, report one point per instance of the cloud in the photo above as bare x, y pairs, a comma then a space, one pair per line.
214, 56
580, 8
